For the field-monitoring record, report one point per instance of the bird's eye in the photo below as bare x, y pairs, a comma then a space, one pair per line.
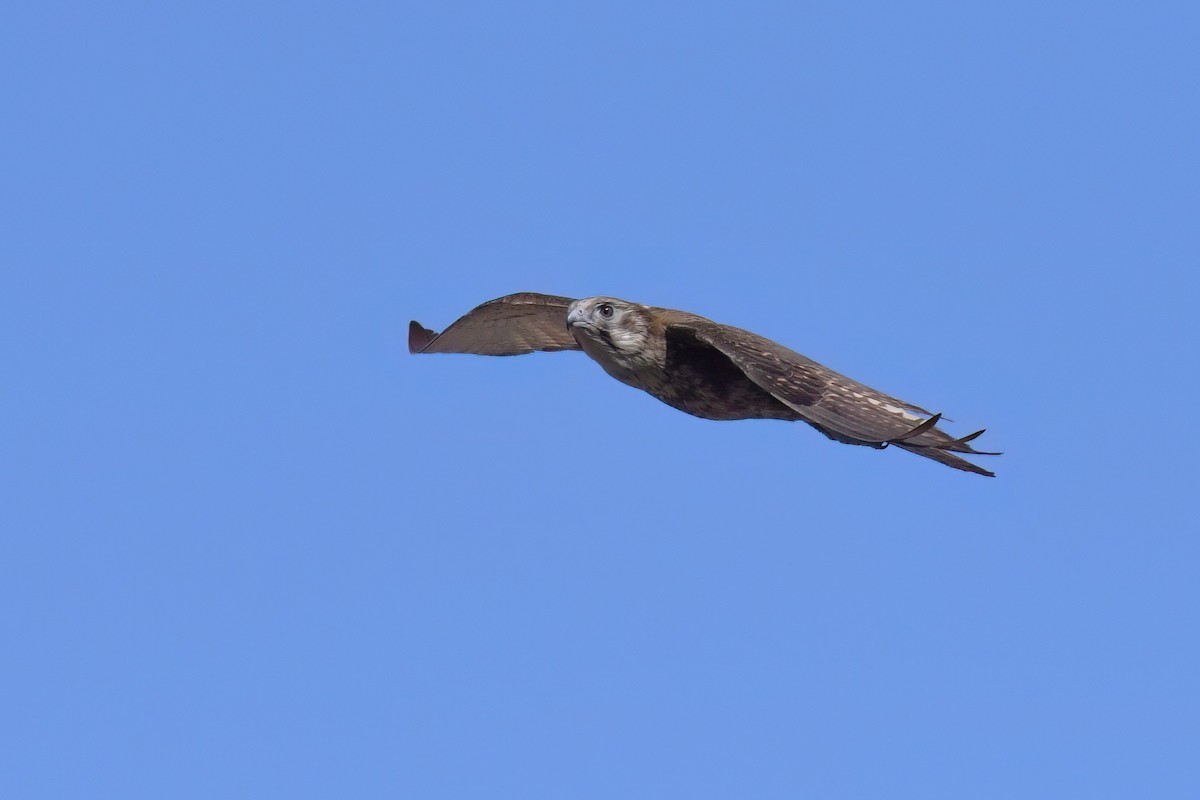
606, 310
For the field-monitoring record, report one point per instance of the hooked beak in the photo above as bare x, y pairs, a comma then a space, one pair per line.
576, 318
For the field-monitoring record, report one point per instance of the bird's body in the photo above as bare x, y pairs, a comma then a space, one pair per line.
686, 375
700, 367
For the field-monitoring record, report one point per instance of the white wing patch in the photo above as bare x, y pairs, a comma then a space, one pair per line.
885, 406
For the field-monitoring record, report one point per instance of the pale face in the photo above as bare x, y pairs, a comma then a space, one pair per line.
613, 332
617, 325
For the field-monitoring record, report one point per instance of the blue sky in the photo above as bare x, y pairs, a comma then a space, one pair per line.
252, 548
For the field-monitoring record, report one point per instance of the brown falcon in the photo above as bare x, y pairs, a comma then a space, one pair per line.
696, 365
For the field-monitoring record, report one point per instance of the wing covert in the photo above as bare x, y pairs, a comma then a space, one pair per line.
512, 325
842, 408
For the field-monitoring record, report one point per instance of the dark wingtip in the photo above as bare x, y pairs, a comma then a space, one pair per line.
917, 431
419, 337
947, 458
963, 445
970, 437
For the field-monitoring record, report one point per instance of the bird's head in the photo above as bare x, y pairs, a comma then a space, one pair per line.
606, 323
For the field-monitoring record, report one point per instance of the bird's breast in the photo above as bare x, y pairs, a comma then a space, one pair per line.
616, 366
697, 381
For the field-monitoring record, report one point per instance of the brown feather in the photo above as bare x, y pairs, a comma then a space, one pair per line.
700, 367
512, 325
839, 407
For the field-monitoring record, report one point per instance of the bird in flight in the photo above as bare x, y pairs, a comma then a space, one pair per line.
700, 367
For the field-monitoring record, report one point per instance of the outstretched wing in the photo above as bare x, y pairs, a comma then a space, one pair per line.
512, 325
841, 408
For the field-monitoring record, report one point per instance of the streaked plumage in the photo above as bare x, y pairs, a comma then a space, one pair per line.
701, 367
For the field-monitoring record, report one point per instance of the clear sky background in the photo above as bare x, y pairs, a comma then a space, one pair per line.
252, 548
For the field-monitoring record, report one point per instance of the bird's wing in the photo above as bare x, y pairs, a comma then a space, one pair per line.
843, 409
512, 325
